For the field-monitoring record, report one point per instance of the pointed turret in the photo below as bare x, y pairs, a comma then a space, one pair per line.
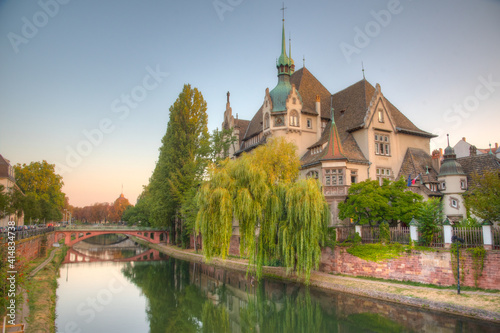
334, 150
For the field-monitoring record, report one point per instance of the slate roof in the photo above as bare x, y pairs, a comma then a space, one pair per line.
350, 108
350, 149
308, 87
479, 164
243, 126
415, 163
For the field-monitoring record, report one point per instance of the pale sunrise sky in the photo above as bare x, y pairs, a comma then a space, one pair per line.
67, 67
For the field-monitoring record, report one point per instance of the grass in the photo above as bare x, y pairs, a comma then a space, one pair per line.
42, 294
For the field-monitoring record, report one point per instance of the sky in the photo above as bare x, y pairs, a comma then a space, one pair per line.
87, 85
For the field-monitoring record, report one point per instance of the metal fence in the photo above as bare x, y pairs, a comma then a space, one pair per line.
23, 234
400, 235
370, 234
496, 238
344, 233
472, 236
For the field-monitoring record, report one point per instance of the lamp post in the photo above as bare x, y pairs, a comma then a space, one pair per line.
458, 240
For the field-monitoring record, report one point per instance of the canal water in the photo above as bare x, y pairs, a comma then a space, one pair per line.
99, 290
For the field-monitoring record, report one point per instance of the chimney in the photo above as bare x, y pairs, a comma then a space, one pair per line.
496, 146
472, 151
436, 159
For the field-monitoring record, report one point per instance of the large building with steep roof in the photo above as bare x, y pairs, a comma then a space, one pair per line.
341, 138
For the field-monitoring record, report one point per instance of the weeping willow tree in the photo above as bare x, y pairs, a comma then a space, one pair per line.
278, 216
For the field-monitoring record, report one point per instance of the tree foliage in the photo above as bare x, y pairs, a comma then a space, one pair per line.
370, 203
483, 197
220, 144
429, 216
43, 190
182, 159
277, 215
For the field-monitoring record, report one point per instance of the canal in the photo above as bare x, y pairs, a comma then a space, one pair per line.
101, 290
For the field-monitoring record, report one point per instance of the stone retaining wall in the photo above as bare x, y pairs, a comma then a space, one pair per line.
424, 267
30, 248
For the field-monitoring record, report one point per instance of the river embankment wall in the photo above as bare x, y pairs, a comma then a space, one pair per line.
430, 267
30, 248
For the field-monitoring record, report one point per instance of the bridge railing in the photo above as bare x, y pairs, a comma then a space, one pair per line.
105, 227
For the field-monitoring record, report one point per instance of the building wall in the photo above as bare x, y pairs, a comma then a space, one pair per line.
424, 267
31, 248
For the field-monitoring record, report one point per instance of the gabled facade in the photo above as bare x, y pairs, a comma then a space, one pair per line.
341, 138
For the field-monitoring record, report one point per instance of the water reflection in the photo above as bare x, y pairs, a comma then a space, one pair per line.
189, 297
178, 296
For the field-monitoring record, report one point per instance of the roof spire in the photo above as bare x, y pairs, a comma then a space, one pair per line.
285, 64
334, 150
304, 61
448, 136
491, 153
283, 9
363, 70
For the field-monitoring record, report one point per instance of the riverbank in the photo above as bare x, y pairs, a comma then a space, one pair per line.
40, 300
474, 304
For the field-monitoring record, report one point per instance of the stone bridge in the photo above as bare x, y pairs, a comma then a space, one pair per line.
73, 236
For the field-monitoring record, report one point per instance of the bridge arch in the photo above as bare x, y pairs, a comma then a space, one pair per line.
151, 236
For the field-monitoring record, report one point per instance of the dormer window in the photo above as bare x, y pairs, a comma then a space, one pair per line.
309, 123
294, 100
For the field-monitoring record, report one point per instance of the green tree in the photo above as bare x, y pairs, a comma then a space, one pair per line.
220, 144
429, 216
277, 216
483, 196
4, 202
370, 203
43, 189
182, 160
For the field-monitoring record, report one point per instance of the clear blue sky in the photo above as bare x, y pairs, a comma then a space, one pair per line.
67, 68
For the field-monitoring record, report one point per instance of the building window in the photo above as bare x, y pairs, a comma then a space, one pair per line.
294, 100
382, 145
354, 176
309, 123
312, 174
266, 121
278, 121
463, 184
294, 118
334, 177
383, 173
380, 116
454, 203
443, 186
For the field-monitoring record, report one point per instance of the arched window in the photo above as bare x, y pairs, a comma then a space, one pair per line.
294, 118
266, 121
312, 174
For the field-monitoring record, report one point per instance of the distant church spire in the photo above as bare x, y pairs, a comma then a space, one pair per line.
284, 63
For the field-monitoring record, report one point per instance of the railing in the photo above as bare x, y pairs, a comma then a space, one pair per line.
496, 238
23, 234
344, 233
370, 234
79, 227
472, 236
